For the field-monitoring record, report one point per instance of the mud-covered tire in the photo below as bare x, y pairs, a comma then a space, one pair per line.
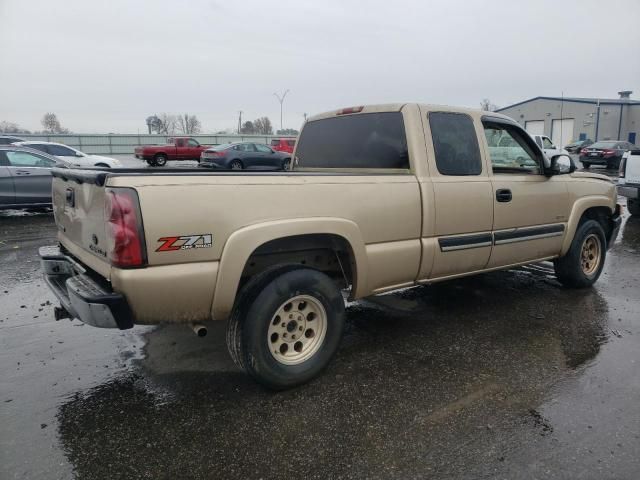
253, 316
577, 269
633, 205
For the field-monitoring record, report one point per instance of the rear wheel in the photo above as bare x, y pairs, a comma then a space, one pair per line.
586, 165
160, 160
286, 326
583, 263
236, 165
633, 205
286, 165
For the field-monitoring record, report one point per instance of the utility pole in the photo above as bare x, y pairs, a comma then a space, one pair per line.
239, 121
281, 100
305, 116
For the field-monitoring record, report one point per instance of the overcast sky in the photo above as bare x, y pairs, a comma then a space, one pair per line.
104, 66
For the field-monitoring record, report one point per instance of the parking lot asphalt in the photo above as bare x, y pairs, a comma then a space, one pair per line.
501, 375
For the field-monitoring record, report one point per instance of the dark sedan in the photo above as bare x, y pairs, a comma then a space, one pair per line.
245, 155
25, 177
578, 145
607, 153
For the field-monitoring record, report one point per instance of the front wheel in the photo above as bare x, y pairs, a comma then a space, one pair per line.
286, 165
286, 327
583, 263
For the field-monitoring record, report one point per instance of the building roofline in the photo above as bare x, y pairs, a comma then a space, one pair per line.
573, 100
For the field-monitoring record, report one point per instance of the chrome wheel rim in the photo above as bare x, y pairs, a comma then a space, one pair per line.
590, 254
236, 166
297, 330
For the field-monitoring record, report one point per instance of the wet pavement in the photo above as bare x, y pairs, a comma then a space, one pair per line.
502, 375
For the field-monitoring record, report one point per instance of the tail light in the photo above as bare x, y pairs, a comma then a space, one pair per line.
622, 168
608, 151
125, 236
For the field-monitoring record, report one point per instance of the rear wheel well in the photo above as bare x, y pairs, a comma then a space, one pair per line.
327, 253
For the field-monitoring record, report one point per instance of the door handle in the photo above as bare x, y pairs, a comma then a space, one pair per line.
503, 195
23, 172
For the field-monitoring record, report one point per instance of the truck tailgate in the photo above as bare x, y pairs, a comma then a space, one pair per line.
78, 205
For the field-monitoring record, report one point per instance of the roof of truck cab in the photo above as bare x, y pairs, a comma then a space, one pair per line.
397, 107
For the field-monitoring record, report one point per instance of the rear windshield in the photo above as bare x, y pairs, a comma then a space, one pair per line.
223, 146
604, 145
275, 143
370, 140
291, 143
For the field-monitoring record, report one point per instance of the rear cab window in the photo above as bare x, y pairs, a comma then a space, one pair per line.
359, 141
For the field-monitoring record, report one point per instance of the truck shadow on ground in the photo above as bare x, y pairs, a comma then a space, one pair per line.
423, 380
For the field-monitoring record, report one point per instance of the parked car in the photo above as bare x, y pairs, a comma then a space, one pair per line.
547, 146
629, 181
400, 195
25, 177
578, 145
8, 140
245, 155
71, 155
177, 148
607, 153
283, 144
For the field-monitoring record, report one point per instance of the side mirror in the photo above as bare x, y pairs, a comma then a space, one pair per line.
561, 164
78, 154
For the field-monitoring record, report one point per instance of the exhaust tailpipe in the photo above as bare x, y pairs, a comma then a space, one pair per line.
199, 329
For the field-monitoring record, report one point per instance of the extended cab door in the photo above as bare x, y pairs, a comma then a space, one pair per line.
181, 149
530, 210
461, 196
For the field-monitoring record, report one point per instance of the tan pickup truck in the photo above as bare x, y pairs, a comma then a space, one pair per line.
380, 197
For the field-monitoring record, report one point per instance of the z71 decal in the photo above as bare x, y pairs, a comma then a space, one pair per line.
185, 242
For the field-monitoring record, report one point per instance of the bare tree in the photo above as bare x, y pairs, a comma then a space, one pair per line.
248, 128
288, 131
487, 106
188, 124
164, 124
263, 126
51, 124
10, 127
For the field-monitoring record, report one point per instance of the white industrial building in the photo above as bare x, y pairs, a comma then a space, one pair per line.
566, 119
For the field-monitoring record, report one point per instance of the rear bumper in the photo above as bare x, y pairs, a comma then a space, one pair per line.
82, 297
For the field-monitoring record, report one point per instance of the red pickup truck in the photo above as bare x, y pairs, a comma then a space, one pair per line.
178, 148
